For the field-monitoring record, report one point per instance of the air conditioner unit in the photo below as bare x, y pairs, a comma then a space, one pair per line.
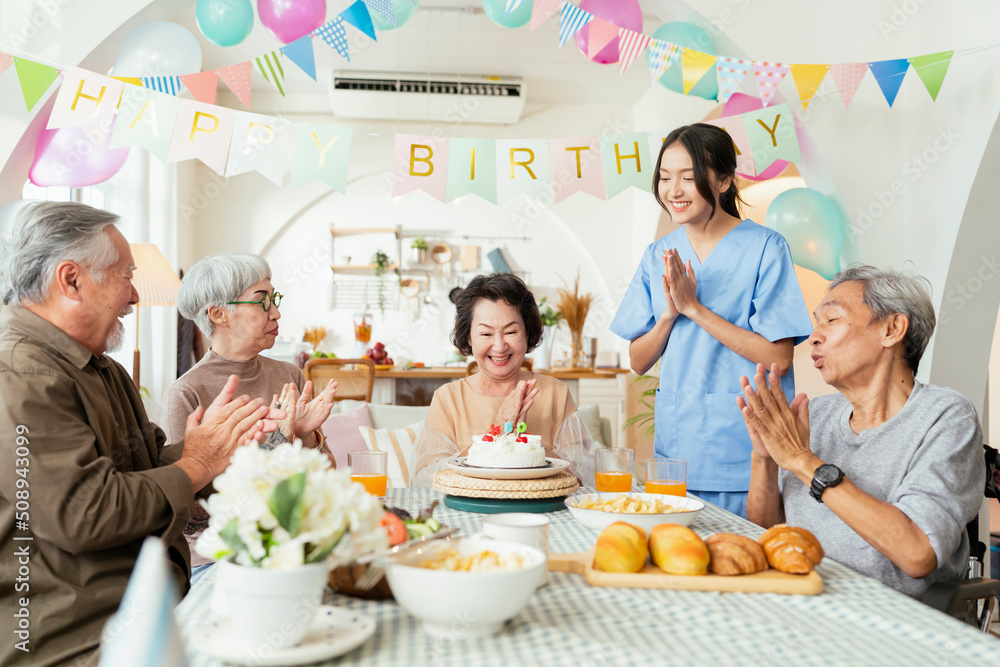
436, 98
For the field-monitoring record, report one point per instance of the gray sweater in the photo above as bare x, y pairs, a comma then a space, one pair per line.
927, 460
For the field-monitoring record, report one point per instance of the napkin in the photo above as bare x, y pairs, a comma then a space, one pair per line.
143, 630
498, 261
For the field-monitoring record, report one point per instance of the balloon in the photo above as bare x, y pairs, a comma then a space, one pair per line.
8, 216
290, 19
69, 157
689, 36
404, 10
623, 13
813, 225
497, 11
740, 104
158, 48
224, 22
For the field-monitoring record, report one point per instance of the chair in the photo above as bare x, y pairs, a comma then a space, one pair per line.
961, 599
356, 377
473, 367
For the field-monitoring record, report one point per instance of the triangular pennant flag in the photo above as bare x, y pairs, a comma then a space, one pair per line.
383, 8
694, 65
890, 75
5, 61
807, 79
359, 16
573, 18
768, 76
512, 5
202, 85
171, 85
334, 34
542, 10
730, 73
237, 79
134, 80
300, 52
630, 45
35, 79
847, 77
661, 55
269, 65
600, 35
930, 68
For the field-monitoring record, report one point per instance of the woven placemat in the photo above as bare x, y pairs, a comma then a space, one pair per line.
457, 484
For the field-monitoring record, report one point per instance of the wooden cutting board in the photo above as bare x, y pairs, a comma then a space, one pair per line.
768, 581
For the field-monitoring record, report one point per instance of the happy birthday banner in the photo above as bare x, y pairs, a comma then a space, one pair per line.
233, 142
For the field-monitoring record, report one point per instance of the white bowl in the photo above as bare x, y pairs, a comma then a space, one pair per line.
599, 520
465, 604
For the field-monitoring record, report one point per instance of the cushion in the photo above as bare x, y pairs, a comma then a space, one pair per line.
342, 434
400, 443
590, 415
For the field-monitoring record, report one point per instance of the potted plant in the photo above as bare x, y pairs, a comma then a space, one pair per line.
382, 264
419, 250
279, 521
550, 320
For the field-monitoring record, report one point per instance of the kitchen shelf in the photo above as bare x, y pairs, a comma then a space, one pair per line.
355, 231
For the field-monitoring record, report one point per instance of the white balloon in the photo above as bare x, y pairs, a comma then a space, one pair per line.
158, 48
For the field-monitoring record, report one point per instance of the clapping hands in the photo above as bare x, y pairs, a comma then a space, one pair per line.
303, 413
515, 407
778, 431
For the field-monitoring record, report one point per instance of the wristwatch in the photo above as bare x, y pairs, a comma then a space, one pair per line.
826, 475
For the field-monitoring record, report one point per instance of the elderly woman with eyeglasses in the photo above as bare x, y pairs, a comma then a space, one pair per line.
232, 300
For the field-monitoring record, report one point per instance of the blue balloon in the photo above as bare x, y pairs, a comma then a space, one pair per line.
403, 11
689, 36
158, 48
813, 225
224, 22
497, 11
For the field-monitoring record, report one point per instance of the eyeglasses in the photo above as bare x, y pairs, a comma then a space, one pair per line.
264, 303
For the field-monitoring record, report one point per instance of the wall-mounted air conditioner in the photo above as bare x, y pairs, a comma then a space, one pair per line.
440, 98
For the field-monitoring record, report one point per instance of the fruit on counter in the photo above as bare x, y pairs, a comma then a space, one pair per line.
677, 549
394, 528
323, 355
301, 358
621, 547
378, 354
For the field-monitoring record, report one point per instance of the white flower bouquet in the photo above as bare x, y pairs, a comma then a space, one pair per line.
285, 507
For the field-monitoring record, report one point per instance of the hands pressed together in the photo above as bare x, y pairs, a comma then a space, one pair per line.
679, 286
778, 431
515, 407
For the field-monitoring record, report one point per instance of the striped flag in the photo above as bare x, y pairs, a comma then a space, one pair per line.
384, 9
573, 18
171, 85
269, 65
512, 5
334, 34
630, 45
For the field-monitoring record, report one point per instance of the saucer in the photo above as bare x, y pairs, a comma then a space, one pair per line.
334, 631
553, 466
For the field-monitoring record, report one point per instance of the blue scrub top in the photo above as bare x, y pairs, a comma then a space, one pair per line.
749, 280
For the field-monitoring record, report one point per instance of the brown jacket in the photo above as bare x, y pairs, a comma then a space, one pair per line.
78, 492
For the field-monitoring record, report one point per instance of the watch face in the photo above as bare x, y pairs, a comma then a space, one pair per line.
828, 473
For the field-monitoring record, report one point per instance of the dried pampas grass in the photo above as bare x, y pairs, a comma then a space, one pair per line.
314, 336
574, 307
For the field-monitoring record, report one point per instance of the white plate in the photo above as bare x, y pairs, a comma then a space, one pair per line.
599, 520
557, 466
334, 631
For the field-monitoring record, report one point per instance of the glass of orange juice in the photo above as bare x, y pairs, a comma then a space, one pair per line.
369, 468
613, 469
666, 476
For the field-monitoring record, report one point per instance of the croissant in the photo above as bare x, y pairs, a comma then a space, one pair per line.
791, 549
735, 554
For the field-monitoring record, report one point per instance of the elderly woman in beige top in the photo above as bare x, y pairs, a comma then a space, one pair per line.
497, 322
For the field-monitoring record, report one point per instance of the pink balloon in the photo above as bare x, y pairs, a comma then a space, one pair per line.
69, 157
740, 104
623, 13
290, 19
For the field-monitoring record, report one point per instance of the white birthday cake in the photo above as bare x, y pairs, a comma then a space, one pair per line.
506, 450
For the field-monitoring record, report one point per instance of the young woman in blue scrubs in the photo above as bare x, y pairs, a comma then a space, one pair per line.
709, 302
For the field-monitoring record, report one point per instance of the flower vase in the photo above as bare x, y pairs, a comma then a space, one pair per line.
543, 356
272, 607
577, 358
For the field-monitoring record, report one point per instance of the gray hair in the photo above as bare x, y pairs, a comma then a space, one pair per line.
887, 292
215, 281
47, 233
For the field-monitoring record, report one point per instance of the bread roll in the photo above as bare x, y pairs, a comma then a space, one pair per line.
735, 554
791, 549
678, 550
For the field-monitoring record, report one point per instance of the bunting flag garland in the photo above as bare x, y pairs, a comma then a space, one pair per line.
734, 126
930, 68
630, 45
771, 135
85, 100
472, 169
807, 79
768, 76
694, 65
542, 10
237, 79
383, 8
847, 77
202, 131
334, 34
259, 143
661, 55
512, 5
321, 153
203, 85
171, 85
6, 60
359, 17
145, 118
421, 164
626, 162
890, 74
301, 53
573, 18
269, 65
577, 167
730, 73
600, 34
35, 79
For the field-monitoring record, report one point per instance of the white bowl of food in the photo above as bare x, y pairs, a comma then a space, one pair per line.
433, 583
646, 510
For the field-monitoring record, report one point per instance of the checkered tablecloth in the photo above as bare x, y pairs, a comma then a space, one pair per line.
855, 621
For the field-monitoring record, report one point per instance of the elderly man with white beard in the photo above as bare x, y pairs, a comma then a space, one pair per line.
82, 477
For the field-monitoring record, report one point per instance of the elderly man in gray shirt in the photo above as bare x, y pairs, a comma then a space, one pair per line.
887, 472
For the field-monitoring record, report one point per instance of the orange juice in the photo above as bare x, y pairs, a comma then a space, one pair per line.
620, 482
373, 482
668, 487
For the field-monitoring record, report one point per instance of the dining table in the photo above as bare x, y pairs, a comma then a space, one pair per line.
856, 620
